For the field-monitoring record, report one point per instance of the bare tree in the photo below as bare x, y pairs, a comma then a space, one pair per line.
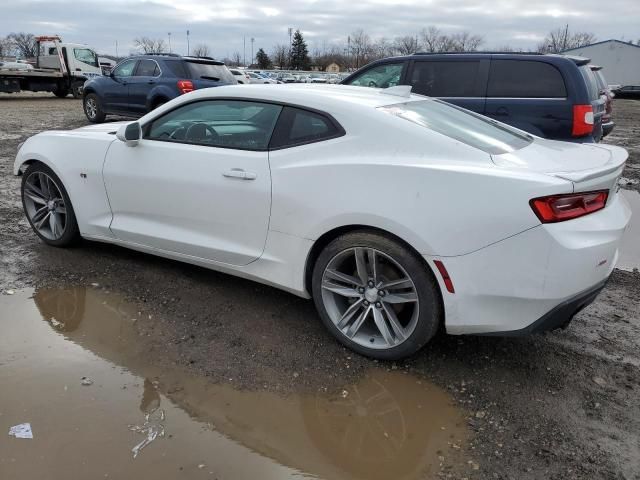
201, 50
360, 47
150, 46
280, 56
465, 42
561, 39
381, 48
433, 40
236, 59
24, 43
6, 47
406, 45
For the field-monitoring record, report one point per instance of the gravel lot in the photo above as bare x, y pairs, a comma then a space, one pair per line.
558, 406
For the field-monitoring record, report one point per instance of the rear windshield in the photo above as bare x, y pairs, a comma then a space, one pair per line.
208, 71
467, 127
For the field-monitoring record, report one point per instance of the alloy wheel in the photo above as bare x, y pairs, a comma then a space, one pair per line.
370, 298
45, 206
91, 107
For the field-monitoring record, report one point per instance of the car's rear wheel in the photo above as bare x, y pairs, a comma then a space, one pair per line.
61, 92
376, 296
47, 206
93, 109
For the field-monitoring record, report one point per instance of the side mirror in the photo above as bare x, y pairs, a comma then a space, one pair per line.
129, 133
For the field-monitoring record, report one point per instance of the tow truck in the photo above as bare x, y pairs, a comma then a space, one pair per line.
60, 68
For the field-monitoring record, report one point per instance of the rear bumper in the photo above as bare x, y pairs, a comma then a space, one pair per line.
535, 280
559, 316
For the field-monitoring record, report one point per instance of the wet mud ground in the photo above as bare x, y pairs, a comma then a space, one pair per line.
244, 382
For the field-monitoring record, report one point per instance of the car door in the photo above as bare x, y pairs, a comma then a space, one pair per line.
530, 95
198, 183
115, 95
459, 80
144, 78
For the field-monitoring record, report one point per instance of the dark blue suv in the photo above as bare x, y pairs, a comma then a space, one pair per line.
552, 96
139, 84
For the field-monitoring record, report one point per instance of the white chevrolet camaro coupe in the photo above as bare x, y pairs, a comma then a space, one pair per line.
397, 213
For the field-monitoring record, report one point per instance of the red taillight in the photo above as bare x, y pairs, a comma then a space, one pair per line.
582, 120
185, 86
558, 208
445, 276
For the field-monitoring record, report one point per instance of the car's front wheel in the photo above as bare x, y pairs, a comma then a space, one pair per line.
93, 109
376, 296
47, 206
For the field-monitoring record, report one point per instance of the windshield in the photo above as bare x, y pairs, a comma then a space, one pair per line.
210, 71
467, 127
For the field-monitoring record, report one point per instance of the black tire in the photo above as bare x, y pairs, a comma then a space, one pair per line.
71, 234
430, 311
61, 92
76, 91
158, 103
99, 115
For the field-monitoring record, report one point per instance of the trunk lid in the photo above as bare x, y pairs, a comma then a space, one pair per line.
587, 166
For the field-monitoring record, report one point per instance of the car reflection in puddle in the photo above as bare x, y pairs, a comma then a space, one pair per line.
630, 249
388, 425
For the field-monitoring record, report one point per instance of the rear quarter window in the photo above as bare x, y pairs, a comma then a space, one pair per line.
525, 79
177, 68
299, 127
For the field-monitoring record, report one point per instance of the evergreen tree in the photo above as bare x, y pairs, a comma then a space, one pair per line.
263, 60
299, 53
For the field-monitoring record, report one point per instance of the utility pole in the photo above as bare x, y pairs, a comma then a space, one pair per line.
252, 57
117, 49
188, 49
349, 51
169, 34
244, 51
290, 45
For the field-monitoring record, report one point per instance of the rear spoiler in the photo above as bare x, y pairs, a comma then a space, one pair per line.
617, 159
205, 60
579, 61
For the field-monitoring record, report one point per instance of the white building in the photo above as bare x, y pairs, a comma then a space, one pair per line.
620, 60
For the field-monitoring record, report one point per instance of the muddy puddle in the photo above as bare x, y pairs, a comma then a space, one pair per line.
630, 248
388, 425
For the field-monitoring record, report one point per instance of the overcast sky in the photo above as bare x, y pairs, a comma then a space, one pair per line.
223, 24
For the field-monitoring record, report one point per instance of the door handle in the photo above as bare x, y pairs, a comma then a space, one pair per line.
239, 173
502, 112
151, 82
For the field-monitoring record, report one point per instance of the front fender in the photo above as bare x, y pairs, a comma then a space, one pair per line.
77, 159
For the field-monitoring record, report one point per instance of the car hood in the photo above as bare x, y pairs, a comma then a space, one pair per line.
571, 161
110, 127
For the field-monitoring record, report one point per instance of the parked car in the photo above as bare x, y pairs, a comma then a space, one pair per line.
242, 77
551, 96
288, 78
142, 83
316, 78
628, 91
605, 91
255, 77
481, 228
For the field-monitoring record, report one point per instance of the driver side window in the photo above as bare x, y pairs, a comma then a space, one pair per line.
125, 69
242, 125
380, 76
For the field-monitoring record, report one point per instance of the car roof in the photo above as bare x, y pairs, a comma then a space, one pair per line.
553, 57
325, 97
